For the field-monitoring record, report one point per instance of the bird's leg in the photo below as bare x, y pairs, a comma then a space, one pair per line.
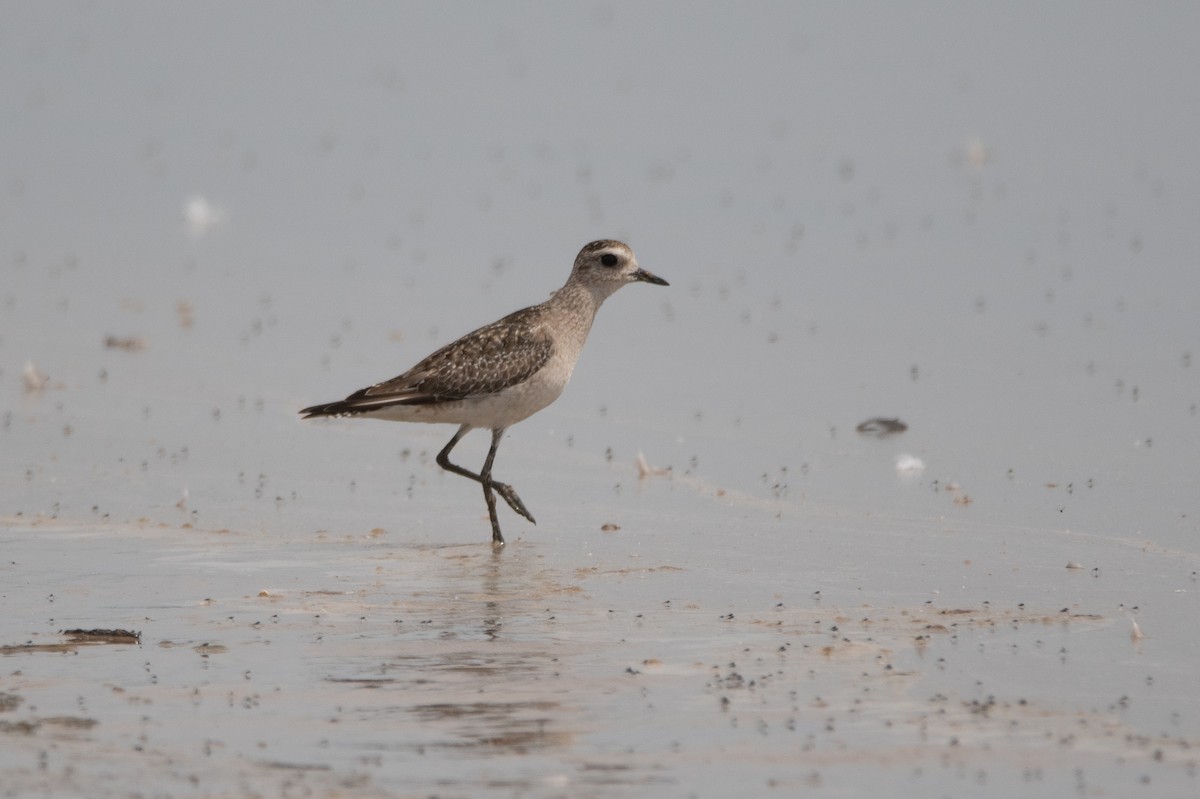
443, 457
503, 489
485, 479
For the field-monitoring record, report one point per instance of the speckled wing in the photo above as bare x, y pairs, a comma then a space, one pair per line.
480, 363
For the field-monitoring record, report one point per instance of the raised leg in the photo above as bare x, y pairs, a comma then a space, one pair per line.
484, 478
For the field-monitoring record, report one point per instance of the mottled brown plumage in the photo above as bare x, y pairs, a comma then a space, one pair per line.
485, 361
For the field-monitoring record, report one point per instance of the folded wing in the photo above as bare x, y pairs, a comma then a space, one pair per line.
480, 363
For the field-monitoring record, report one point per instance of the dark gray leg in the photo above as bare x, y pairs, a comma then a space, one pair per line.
484, 478
504, 489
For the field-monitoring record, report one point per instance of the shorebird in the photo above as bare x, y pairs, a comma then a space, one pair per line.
504, 372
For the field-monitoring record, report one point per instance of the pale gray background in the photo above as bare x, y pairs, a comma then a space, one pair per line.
979, 218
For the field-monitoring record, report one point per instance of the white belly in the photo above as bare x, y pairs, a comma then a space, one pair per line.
503, 409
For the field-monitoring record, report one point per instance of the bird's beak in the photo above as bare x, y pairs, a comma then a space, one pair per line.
646, 277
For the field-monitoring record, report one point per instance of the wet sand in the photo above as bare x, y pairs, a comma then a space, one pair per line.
360, 664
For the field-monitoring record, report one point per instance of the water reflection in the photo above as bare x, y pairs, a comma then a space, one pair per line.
460, 673
512, 727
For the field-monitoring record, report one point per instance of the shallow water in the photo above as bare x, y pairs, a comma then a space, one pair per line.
974, 243
363, 664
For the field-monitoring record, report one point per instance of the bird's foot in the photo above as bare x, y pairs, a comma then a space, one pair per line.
510, 496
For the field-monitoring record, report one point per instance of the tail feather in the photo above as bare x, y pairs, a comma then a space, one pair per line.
328, 409
362, 402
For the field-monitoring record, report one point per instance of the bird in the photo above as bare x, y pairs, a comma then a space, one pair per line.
501, 373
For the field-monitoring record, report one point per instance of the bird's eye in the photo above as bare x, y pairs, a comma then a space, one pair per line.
608, 259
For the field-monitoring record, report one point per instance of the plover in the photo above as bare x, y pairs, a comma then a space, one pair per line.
504, 372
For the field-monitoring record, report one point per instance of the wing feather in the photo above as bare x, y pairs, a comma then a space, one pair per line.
483, 362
